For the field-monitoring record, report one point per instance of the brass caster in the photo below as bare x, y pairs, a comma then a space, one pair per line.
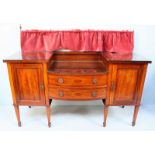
19, 124
104, 124
49, 124
123, 106
133, 123
29, 106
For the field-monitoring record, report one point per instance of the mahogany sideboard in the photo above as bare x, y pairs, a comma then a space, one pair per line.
36, 78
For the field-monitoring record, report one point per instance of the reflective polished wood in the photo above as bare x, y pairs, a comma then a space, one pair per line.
36, 78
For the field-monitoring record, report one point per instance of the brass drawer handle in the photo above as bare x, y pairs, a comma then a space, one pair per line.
60, 80
94, 81
61, 93
94, 94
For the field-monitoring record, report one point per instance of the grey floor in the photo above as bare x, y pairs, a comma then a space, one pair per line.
67, 115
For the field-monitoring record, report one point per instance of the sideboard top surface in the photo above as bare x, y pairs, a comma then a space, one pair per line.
44, 56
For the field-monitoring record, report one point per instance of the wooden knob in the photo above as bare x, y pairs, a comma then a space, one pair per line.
61, 93
60, 80
94, 94
94, 81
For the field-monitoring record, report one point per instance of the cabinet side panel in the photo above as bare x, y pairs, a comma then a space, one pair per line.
11, 83
141, 86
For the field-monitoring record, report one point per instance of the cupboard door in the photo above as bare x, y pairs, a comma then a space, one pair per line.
125, 82
29, 84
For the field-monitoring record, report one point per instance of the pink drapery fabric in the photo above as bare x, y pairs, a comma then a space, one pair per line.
90, 40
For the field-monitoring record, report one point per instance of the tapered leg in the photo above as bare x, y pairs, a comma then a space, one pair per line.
49, 115
105, 115
17, 114
135, 115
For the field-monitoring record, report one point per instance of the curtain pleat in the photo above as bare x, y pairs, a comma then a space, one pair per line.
110, 41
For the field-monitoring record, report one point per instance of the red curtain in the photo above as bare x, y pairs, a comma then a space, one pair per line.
90, 40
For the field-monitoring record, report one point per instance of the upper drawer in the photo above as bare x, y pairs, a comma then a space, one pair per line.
77, 80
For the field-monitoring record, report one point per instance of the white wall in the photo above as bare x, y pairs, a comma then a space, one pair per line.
10, 43
145, 45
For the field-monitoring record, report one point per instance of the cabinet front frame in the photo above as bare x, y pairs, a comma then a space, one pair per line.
14, 83
112, 79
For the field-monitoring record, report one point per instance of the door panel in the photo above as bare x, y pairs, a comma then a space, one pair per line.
124, 84
29, 83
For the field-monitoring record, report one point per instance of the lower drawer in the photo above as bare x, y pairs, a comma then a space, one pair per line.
77, 93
